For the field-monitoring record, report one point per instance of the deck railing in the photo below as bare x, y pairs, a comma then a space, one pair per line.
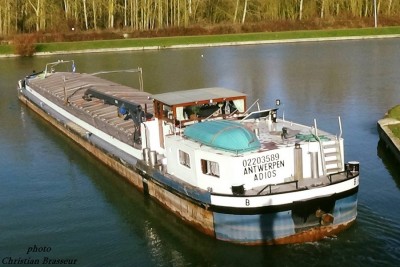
280, 184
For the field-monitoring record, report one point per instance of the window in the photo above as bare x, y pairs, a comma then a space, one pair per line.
210, 167
184, 158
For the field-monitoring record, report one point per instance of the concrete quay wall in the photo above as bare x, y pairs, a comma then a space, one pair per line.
387, 136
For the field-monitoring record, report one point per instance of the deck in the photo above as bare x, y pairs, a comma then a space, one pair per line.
67, 89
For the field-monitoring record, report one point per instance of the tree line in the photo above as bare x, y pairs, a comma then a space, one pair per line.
28, 16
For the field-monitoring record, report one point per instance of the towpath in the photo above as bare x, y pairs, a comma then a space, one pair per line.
280, 41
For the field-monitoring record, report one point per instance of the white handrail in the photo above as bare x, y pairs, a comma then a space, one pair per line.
53, 64
255, 102
139, 70
340, 128
315, 128
320, 147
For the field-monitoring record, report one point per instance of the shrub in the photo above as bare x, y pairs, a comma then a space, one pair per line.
223, 29
24, 45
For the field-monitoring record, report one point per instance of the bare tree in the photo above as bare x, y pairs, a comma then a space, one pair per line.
5, 17
37, 9
66, 8
85, 14
300, 9
244, 11
37, 15
236, 11
389, 8
111, 7
322, 9
94, 14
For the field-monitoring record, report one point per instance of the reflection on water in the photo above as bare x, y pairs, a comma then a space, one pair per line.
389, 161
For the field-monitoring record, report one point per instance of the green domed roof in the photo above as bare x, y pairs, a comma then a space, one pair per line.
225, 135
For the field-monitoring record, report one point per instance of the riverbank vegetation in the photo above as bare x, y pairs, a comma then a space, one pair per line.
26, 45
62, 16
29, 26
210, 39
395, 114
395, 128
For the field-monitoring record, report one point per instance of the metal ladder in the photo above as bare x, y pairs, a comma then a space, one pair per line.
331, 154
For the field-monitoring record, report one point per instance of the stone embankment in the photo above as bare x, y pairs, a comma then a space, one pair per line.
239, 43
387, 136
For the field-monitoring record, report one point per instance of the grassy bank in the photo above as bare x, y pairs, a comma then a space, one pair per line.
203, 39
395, 114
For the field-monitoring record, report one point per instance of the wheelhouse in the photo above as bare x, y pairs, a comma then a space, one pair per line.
181, 108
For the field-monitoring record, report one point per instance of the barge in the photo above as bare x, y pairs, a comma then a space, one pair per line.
239, 175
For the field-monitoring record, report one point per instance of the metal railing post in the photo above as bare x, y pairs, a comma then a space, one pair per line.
320, 147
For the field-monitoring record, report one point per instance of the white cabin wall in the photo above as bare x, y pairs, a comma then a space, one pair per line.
150, 135
173, 144
227, 170
307, 148
251, 169
269, 167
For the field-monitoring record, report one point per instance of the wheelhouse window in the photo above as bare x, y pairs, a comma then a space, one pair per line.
210, 167
184, 158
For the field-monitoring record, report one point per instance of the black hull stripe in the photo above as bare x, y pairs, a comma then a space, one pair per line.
279, 208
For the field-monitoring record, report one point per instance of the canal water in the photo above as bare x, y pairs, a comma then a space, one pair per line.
57, 202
